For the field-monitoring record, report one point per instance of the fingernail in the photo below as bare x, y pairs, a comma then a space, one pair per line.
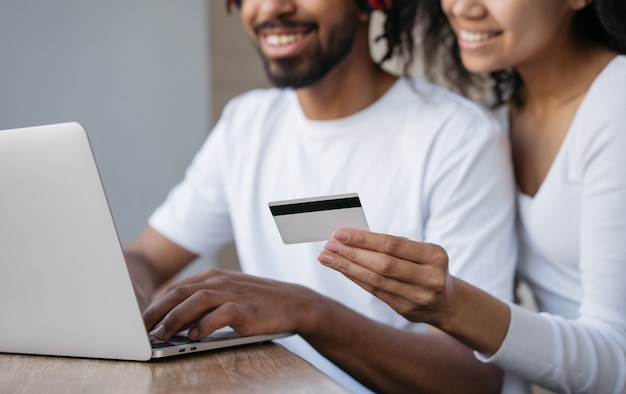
160, 332
341, 235
193, 333
332, 246
325, 259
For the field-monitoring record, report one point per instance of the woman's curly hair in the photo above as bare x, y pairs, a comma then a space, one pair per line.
399, 33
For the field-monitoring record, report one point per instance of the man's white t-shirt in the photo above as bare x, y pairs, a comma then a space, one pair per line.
427, 164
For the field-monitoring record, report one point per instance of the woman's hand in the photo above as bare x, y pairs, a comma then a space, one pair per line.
412, 277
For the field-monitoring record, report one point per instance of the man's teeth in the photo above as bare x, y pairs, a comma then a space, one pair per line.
282, 39
471, 36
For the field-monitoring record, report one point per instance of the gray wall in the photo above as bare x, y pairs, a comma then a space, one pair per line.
235, 65
135, 73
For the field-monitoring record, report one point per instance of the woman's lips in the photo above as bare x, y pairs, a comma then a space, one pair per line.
474, 36
475, 39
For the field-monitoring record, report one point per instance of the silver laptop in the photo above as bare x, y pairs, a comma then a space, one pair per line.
64, 285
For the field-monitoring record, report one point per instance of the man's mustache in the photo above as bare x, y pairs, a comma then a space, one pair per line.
273, 24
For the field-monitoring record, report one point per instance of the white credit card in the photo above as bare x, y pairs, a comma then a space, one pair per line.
315, 219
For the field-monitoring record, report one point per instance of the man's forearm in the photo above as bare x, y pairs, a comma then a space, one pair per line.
144, 278
387, 359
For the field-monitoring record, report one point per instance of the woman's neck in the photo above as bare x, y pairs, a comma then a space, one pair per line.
562, 78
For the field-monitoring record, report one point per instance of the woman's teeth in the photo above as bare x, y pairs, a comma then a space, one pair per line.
471, 36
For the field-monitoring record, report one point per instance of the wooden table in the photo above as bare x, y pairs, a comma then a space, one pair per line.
260, 368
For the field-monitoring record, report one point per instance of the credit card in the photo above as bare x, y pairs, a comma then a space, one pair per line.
314, 219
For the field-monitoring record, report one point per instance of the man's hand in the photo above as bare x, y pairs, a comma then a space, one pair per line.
214, 299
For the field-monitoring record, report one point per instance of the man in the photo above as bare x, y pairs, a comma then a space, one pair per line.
427, 164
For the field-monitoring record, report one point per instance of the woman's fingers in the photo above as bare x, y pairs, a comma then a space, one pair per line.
402, 248
409, 276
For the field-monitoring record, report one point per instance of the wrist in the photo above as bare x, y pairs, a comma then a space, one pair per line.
309, 312
475, 318
318, 315
450, 314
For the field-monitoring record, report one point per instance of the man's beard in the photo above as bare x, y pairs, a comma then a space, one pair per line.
306, 70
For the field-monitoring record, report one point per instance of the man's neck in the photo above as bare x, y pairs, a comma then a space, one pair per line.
349, 87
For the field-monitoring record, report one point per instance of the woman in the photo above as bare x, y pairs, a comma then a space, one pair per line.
557, 72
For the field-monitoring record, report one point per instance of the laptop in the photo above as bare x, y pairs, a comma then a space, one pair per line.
64, 286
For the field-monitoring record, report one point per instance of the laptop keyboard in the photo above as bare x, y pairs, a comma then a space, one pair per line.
178, 340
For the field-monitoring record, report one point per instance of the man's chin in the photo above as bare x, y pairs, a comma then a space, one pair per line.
289, 82
288, 78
